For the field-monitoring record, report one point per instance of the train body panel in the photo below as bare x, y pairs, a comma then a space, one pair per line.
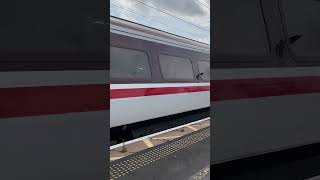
264, 110
54, 119
140, 102
53, 90
263, 125
10, 79
155, 74
54, 143
265, 77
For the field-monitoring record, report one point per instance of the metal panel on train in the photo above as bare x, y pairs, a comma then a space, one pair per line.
265, 74
53, 90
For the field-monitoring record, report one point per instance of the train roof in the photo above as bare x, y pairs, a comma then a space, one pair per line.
128, 28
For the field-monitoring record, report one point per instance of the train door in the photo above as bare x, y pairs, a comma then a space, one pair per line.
244, 61
300, 24
264, 103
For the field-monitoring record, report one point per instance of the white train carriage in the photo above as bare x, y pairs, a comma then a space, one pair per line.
155, 74
53, 90
265, 77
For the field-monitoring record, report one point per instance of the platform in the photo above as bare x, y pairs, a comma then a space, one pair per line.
314, 178
184, 158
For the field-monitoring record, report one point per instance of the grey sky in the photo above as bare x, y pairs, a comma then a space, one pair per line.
195, 15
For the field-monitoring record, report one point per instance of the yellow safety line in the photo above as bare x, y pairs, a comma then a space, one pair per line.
192, 128
148, 143
201, 125
115, 158
166, 137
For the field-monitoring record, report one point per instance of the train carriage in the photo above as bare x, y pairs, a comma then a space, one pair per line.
53, 90
154, 74
264, 77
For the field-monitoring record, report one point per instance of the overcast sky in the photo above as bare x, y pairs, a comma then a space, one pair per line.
193, 16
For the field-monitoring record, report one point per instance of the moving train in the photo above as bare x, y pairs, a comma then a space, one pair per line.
53, 90
155, 74
265, 77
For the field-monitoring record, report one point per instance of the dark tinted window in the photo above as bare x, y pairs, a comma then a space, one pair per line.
238, 27
55, 28
303, 18
173, 67
129, 64
204, 69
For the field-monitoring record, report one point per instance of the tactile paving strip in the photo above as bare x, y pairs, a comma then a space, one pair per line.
123, 167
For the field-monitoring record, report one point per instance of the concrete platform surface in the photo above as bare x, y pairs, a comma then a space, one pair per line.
185, 158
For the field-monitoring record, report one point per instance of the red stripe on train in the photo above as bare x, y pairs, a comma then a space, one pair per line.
138, 92
263, 87
46, 100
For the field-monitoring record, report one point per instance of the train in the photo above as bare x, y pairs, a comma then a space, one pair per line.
265, 72
155, 74
54, 108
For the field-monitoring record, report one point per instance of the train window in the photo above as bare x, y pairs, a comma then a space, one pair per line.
173, 67
303, 27
239, 28
129, 64
204, 69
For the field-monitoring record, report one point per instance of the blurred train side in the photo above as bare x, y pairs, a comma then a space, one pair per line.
264, 100
53, 90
